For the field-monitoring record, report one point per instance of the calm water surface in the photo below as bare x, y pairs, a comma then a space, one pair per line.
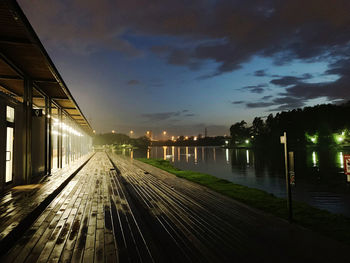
320, 180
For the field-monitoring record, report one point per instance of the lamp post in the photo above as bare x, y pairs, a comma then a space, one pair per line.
289, 193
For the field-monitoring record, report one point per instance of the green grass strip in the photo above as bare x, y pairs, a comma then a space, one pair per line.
333, 225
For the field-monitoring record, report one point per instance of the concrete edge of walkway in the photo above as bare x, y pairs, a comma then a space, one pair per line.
274, 219
8, 241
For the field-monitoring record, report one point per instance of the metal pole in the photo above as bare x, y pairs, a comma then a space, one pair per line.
49, 139
46, 135
289, 193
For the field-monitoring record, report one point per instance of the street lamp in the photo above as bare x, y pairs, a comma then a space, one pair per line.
113, 131
164, 132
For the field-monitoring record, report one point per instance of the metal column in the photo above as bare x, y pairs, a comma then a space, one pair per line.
49, 137
27, 109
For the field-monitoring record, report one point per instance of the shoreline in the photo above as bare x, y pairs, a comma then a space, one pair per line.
336, 226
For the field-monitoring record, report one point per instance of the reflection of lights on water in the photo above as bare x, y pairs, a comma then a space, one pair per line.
341, 160
148, 150
247, 157
314, 159
202, 154
173, 153
227, 157
195, 155
187, 154
214, 152
164, 152
178, 153
132, 154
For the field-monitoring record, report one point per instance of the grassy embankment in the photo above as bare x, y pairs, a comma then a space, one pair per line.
324, 222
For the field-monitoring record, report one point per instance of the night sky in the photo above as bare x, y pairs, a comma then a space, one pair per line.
181, 66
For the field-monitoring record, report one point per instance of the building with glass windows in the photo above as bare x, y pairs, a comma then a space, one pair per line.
42, 128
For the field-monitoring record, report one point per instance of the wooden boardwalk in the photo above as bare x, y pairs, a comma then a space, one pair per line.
117, 211
20, 205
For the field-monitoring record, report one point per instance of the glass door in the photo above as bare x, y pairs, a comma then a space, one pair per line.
10, 119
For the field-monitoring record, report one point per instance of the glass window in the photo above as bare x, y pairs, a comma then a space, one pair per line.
10, 114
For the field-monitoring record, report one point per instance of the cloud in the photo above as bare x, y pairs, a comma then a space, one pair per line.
162, 116
259, 104
255, 88
298, 92
266, 97
133, 82
290, 80
260, 73
227, 32
238, 102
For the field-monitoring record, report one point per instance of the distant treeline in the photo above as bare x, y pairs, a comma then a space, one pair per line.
143, 142
120, 139
320, 125
193, 141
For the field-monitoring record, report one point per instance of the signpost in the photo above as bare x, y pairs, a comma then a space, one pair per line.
289, 193
347, 166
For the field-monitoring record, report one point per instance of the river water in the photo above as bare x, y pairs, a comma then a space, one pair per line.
319, 177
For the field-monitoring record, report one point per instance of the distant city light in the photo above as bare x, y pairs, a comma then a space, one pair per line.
113, 131
147, 132
94, 131
164, 132
226, 142
195, 138
247, 141
186, 138
131, 132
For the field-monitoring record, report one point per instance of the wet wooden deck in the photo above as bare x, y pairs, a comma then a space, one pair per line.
117, 211
21, 204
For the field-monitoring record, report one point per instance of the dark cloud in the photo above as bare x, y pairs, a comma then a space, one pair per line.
238, 102
298, 92
266, 97
133, 82
290, 80
260, 73
162, 116
225, 31
255, 88
259, 104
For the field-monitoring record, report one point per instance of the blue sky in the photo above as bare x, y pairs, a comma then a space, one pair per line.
163, 65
